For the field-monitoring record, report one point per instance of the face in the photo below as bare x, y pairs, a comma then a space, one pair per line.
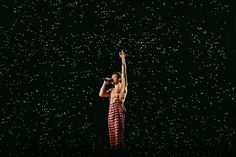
115, 78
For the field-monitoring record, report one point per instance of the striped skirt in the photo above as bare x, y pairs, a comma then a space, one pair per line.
116, 124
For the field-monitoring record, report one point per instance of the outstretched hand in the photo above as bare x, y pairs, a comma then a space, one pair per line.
122, 54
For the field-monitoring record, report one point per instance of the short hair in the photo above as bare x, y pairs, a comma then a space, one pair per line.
117, 73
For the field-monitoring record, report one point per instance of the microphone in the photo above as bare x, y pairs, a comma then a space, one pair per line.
108, 79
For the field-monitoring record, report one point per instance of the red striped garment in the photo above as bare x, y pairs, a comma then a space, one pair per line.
116, 124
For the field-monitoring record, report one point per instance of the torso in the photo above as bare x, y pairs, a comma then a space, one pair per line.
114, 95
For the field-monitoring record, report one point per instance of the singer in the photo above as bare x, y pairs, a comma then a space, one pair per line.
117, 110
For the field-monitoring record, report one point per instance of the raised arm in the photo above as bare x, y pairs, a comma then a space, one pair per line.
124, 82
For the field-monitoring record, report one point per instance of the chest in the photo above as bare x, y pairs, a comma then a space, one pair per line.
114, 93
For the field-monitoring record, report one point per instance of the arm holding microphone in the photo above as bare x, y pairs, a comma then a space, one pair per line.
103, 92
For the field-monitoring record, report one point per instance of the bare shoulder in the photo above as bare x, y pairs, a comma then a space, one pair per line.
123, 95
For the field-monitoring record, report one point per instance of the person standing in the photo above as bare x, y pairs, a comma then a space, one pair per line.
117, 110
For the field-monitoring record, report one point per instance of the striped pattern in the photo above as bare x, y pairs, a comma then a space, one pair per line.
116, 123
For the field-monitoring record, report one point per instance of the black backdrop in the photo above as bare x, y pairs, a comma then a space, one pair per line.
181, 74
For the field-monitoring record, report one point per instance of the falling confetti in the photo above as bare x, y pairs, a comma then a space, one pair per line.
180, 61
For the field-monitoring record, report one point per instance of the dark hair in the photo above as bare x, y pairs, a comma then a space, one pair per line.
117, 73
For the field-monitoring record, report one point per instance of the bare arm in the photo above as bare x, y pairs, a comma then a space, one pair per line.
124, 82
103, 92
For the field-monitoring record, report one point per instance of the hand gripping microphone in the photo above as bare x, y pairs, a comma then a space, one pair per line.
108, 79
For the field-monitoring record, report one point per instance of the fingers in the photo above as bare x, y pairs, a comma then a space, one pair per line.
122, 54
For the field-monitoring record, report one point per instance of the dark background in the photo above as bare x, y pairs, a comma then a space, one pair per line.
181, 63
